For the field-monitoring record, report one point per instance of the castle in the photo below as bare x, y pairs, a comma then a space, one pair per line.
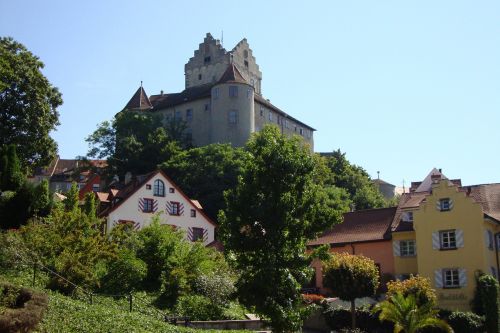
222, 101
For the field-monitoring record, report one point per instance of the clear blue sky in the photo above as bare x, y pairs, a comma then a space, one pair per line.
400, 86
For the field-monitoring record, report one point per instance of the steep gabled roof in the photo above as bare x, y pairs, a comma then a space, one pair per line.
133, 187
139, 101
232, 75
360, 226
488, 196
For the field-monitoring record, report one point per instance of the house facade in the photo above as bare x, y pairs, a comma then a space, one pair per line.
448, 233
222, 101
364, 232
157, 195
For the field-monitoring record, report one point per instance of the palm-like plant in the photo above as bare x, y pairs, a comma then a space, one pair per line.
407, 316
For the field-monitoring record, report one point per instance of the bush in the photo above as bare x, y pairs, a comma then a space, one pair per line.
197, 307
125, 274
24, 308
466, 322
486, 302
338, 318
218, 287
418, 286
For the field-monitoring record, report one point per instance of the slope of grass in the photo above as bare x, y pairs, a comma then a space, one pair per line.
68, 314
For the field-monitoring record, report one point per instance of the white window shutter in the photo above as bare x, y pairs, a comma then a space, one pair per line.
451, 204
459, 236
396, 248
436, 244
462, 277
438, 278
438, 205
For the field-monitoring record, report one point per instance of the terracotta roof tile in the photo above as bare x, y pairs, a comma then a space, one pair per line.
232, 75
139, 101
488, 196
359, 226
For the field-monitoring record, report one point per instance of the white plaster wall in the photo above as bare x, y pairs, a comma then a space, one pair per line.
129, 210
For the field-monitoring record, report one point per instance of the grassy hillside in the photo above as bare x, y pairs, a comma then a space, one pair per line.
67, 314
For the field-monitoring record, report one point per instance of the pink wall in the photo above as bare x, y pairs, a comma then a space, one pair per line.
380, 252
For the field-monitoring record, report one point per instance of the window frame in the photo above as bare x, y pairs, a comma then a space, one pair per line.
147, 203
189, 115
158, 188
405, 246
232, 117
176, 208
454, 278
233, 91
448, 233
444, 202
193, 213
199, 234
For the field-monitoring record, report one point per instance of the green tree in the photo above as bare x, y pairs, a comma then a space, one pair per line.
12, 178
28, 105
350, 277
89, 206
486, 301
204, 173
42, 200
135, 142
72, 198
271, 213
355, 180
407, 316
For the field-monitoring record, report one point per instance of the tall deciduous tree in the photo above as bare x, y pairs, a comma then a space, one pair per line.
28, 105
10, 169
275, 208
355, 180
136, 142
350, 277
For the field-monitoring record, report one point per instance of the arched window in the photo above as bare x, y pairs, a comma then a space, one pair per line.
159, 188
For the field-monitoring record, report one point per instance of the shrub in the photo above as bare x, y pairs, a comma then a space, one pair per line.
217, 286
24, 309
125, 274
486, 302
466, 322
418, 286
197, 307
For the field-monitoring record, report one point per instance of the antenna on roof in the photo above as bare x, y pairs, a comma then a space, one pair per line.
378, 175
222, 39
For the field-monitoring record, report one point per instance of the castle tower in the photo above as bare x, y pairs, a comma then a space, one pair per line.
211, 60
232, 99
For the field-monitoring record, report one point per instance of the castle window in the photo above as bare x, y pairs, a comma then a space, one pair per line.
199, 76
249, 93
207, 60
233, 91
287, 123
301, 131
245, 54
261, 111
270, 116
189, 134
295, 128
178, 115
216, 93
207, 107
189, 115
233, 117
158, 188
246, 64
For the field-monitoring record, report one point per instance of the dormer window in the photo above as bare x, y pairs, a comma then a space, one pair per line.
407, 217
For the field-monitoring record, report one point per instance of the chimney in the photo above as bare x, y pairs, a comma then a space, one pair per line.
161, 92
128, 177
440, 170
435, 178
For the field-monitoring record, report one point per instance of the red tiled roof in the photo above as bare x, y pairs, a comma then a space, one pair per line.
407, 200
359, 226
232, 75
488, 196
139, 101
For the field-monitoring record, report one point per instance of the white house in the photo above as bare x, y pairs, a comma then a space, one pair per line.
158, 194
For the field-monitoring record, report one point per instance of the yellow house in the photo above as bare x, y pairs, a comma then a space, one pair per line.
448, 233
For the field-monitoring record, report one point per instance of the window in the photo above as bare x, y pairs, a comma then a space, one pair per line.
246, 64
216, 93
448, 239
189, 115
197, 234
232, 117
287, 124
207, 107
489, 239
301, 131
178, 115
261, 111
189, 134
233, 91
249, 93
193, 213
199, 77
95, 187
206, 60
407, 217
444, 204
147, 205
171, 190
270, 116
407, 248
159, 188
148, 186
451, 278
174, 208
